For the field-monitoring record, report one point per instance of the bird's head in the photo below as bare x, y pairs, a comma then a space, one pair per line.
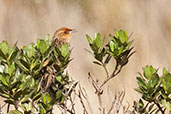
63, 34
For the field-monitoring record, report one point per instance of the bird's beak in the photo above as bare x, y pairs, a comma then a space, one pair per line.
73, 30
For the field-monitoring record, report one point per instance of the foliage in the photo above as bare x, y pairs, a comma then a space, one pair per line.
23, 72
155, 90
118, 48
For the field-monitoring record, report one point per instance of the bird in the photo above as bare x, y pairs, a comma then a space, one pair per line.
61, 36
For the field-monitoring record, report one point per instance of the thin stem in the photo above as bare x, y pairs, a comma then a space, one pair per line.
100, 103
111, 76
82, 103
158, 105
72, 104
85, 96
104, 66
8, 107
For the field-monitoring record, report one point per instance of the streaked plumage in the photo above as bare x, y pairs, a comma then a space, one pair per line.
62, 36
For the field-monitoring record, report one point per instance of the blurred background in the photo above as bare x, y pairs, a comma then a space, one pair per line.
149, 20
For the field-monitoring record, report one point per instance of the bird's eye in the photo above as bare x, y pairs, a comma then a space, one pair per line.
65, 32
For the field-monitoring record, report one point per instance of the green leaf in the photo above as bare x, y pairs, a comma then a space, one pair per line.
42, 109
2, 68
166, 104
14, 56
94, 48
29, 50
112, 46
108, 59
58, 95
116, 33
23, 65
89, 39
2, 55
4, 47
123, 36
141, 104
47, 39
141, 82
62, 99
165, 71
98, 41
46, 98
3, 80
37, 96
28, 106
148, 71
60, 79
13, 53
64, 50
42, 45
11, 68
111, 37
17, 95
120, 50
166, 82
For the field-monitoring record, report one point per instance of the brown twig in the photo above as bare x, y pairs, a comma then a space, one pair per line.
104, 66
82, 103
158, 105
85, 96
115, 73
72, 105
112, 106
64, 108
98, 92
117, 102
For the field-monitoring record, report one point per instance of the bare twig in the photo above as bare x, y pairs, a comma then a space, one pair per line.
84, 94
115, 72
72, 105
102, 110
95, 84
82, 103
0, 109
63, 108
117, 103
98, 92
3, 106
8, 107
104, 66
160, 108
126, 109
68, 105
113, 103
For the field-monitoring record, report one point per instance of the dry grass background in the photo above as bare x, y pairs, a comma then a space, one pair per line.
149, 20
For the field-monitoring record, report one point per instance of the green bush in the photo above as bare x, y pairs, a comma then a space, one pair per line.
155, 90
23, 72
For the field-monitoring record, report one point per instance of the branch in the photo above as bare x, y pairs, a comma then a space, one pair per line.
82, 103
85, 96
117, 102
98, 92
158, 105
104, 66
72, 105
115, 72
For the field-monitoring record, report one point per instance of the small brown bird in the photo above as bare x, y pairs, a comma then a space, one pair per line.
62, 36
